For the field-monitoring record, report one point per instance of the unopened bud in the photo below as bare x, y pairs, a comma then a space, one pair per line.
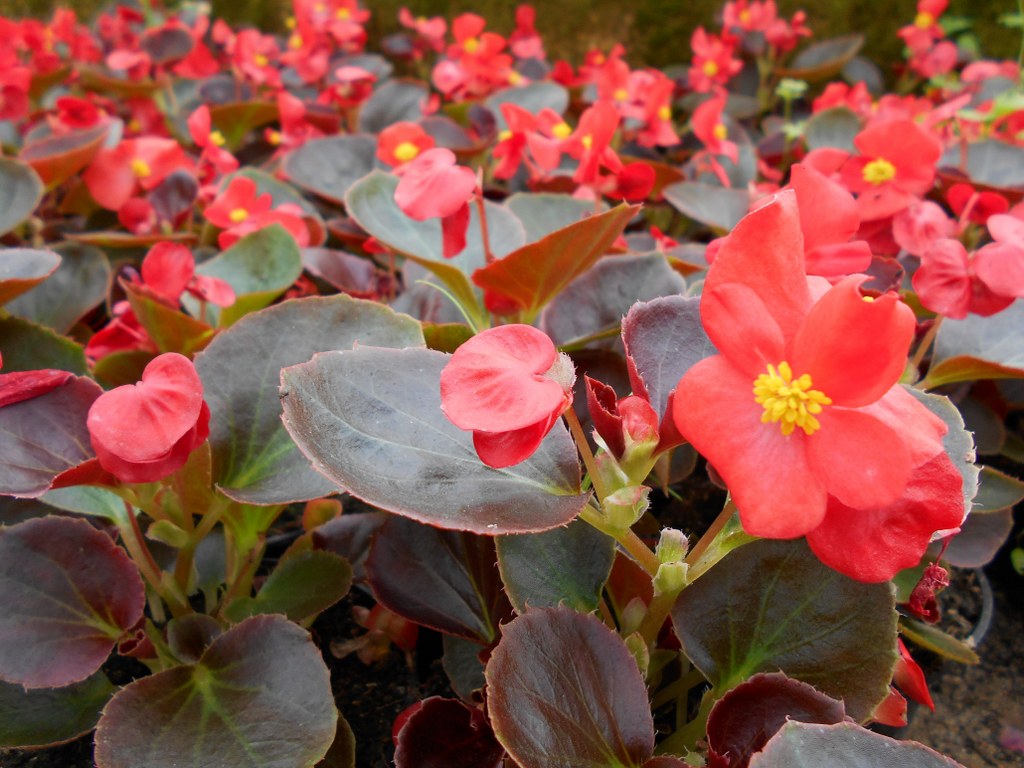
638, 647
633, 615
626, 505
672, 546
671, 578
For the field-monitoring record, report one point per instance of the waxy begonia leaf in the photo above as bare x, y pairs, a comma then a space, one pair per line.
42, 716
44, 436
371, 202
463, 666
96, 78
30, 347
997, 491
235, 119
392, 102
120, 368
542, 214
346, 272
981, 537
171, 329
231, 708
190, 635
21, 189
349, 536
743, 720
664, 338
22, 269
447, 732
328, 167
773, 606
823, 60
79, 285
720, 208
989, 164
166, 44
844, 745
259, 267
451, 584
834, 128
126, 240
342, 753
371, 421
88, 500
69, 592
531, 276
532, 97
579, 682
300, 587
979, 348
58, 158
599, 298
255, 461
564, 565
932, 638
958, 443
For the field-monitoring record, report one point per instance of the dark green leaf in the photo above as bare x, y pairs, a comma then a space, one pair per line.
232, 708
30, 347
21, 189
394, 101
823, 60
44, 716
79, 285
371, 421
542, 214
300, 587
22, 269
979, 348
329, 166
833, 128
532, 97
255, 460
720, 208
772, 606
170, 328
991, 163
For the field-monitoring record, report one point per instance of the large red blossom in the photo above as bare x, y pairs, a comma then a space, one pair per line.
144, 432
801, 413
508, 385
432, 186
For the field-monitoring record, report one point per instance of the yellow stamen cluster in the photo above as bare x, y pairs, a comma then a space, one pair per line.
587, 142
141, 168
406, 151
621, 94
343, 14
710, 68
514, 78
471, 45
561, 130
664, 112
238, 215
878, 171
720, 131
217, 138
505, 135
260, 60
924, 20
788, 402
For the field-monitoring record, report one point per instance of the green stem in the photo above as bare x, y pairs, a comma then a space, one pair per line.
484, 236
186, 556
709, 535
627, 538
678, 689
686, 738
135, 543
925, 344
583, 446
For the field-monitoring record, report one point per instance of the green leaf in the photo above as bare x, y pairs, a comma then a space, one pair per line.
44, 716
532, 97
772, 606
585, 698
88, 500
79, 285
21, 189
542, 214
843, 745
393, 101
22, 269
170, 328
255, 461
69, 592
371, 421
259, 267
58, 158
564, 565
328, 167
300, 587
533, 275
231, 708
937, 641
30, 347
979, 348
720, 208
991, 163
834, 128
997, 490
823, 60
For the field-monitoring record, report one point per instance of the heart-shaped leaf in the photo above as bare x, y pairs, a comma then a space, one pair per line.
255, 461
447, 732
31, 347
585, 696
451, 585
79, 285
40, 717
21, 189
371, 421
772, 606
802, 745
300, 587
21, 269
533, 275
230, 708
720, 208
58, 158
44, 436
979, 348
69, 592
235, 119
992, 164
824, 59
259, 267
393, 101
564, 565
329, 166
354, 275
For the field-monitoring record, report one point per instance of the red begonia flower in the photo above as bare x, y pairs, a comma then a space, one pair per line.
169, 271
828, 219
25, 385
915, 228
801, 406
116, 174
237, 203
709, 128
402, 142
952, 282
144, 432
909, 677
434, 186
508, 385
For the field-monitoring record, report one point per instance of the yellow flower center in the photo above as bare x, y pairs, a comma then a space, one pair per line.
924, 20
878, 171
720, 131
788, 402
710, 68
562, 130
406, 151
505, 135
274, 137
471, 45
587, 141
260, 60
290, 22
141, 168
745, 16
295, 41
665, 112
514, 78
343, 13
238, 215
217, 138
621, 94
